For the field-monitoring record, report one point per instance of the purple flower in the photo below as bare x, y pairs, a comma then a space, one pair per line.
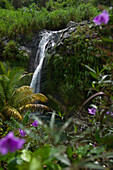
101, 18
107, 112
92, 111
35, 123
111, 113
10, 143
22, 133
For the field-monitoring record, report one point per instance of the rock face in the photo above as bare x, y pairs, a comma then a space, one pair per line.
32, 46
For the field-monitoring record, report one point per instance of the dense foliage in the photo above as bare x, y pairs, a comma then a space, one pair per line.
69, 80
79, 135
26, 21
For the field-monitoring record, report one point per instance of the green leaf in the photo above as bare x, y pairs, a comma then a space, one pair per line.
105, 155
107, 81
108, 139
93, 75
13, 164
65, 125
43, 152
82, 150
89, 68
103, 78
97, 150
26, 118
94, 166
26, 155
107, 40
75, 128
35, 164
69, 152
14, 122
97, 136
63, 159
52, 121
59, 113
111, 97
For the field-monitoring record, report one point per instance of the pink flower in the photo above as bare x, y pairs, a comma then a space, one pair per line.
101, 18
10, 143
35, 123
92, 111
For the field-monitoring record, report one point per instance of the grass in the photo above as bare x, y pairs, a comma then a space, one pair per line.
26, 21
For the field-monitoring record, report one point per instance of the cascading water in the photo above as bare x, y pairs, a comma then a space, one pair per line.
49, 40
35, 83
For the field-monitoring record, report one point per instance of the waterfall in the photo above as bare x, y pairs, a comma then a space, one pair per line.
40, 55
48, 41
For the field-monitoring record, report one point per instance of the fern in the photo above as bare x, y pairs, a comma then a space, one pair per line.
16, 100
24, 95
9, 111
33, 107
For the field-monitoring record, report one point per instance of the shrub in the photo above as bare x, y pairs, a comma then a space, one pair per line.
5, 4
12, 53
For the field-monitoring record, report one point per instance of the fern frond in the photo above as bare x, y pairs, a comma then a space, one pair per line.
29, 99
4, 86
18, 94
41, 97
9, 111
15, 76
29, 90
24, 95
4, 67
22, 89
2, 97
33, 107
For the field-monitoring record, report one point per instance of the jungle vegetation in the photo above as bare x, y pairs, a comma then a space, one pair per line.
75, 127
